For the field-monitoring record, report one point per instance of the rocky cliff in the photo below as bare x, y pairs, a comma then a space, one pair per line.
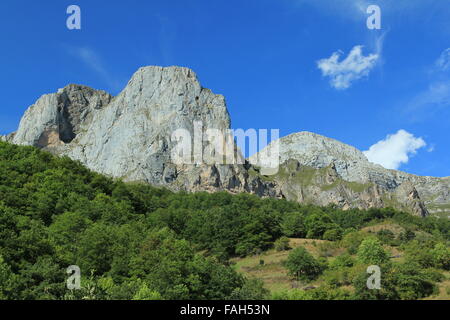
321, 170
131, 136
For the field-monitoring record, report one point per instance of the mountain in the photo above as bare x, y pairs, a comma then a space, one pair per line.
131, 136
321, 170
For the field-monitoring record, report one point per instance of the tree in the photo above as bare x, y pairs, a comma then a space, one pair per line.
419, 253
317, 224
7, 280
96, 248
332, 235
253, 289
172, 268
441, 256
293, 225
144, 293
387, 291
302, 265
371, 252
411, 282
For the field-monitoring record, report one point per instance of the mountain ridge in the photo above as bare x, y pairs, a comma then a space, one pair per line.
129, 136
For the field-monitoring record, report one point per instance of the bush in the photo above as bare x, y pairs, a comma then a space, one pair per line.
336, 278
407, 235
371, 252
253, 289
412, 283
282, 244
386, 236
332, 235
419, 253
302, 265
343, 261
322, 293
441, 256
352, 240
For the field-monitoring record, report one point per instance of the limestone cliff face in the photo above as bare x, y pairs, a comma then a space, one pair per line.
321, 170
130, 136
56, 119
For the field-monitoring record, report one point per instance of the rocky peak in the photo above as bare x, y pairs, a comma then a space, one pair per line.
57, 118
130, 137
358, 182
317, 151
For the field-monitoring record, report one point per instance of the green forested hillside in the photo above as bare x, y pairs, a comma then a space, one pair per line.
134, 241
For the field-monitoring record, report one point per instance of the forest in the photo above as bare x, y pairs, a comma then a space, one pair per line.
133, 241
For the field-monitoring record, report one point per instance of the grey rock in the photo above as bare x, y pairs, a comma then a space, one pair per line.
342, 175
130, 137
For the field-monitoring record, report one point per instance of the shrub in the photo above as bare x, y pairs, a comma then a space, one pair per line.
282, 244
343, 261
352, 240
386, 236
420, 254
441, 256
371, 252
302, 265
253, 289
332, 235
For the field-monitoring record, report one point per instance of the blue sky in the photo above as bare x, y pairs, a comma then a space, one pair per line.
272, 59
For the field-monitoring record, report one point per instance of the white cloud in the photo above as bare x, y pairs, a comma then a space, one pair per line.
354, 67
395, 150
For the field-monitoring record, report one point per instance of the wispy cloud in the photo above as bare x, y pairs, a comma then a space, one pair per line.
349, 8
395, 150
436, 96
354, 67
91, 59
443, 62
356, 9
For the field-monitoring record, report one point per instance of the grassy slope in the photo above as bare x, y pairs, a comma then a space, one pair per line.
274, 274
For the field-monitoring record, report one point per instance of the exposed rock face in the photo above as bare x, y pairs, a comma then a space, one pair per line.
130, 136
56, 119
323, 170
